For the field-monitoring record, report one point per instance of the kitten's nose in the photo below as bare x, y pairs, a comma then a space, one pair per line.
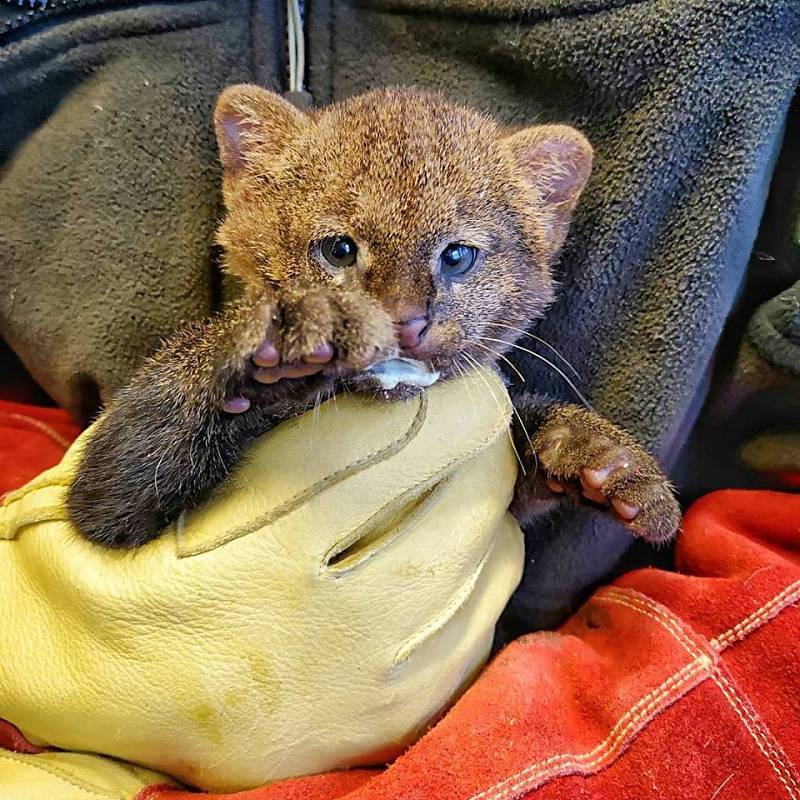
412, 323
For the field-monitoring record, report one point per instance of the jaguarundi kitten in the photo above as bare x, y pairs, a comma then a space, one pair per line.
393, 223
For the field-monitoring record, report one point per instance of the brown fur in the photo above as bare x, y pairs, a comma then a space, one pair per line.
403, 173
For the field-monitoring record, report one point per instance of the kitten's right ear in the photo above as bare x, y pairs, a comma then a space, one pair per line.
253, 124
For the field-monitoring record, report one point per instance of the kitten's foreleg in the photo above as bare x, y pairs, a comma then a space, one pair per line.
165, 441
172, 435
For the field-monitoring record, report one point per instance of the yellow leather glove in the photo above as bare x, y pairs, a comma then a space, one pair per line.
316, 613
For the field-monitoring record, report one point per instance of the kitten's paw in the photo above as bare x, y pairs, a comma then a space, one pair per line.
319, 332
269, 367
585, 455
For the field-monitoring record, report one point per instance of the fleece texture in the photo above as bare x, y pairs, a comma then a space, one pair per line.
775, 330
109, 179
108, 185
750, 433
754, 419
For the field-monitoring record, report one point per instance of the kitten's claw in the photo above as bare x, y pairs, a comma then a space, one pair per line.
625, 510
320, 355
312, 334
593, 487
296, 369
270, 368
266, 355
595, 478
595, 495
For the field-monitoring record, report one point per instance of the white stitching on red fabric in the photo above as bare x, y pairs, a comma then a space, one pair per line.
761, 734
658, 613
537, 773
789, 596
616, 739
40, 426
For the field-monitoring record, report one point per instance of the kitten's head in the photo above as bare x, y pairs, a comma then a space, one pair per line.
448, 219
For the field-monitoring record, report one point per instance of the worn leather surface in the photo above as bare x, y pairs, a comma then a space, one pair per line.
317, 613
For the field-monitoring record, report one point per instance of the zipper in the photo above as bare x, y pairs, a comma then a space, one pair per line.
295, 65
39, 10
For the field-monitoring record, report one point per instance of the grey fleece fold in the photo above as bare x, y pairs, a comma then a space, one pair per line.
108, 186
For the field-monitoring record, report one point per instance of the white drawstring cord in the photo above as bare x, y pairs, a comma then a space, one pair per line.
297, 46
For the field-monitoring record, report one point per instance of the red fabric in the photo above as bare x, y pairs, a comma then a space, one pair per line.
330, 785
32, 439
676, 685
12, 739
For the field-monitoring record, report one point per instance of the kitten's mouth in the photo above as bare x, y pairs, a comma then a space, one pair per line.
395, 379
393, 372
401, 377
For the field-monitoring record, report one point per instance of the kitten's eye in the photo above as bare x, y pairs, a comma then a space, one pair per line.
457, 258
339, 251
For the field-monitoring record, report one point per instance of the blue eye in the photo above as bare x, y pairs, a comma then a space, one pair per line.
457, 258
339, 251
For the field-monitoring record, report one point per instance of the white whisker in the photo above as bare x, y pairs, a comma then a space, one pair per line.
500, 355
478, 368
540, 340
518, 416
462, 372
549, 363
155, 476
315, 418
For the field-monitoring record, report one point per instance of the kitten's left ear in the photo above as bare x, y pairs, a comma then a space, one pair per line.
555, 161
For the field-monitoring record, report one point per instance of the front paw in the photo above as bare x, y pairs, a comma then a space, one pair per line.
319, 332
583, 454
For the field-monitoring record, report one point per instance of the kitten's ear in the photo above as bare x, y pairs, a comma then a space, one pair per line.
555, 160
252, 123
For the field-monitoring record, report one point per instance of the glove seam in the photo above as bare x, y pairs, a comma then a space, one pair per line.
30, 760
287, 506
